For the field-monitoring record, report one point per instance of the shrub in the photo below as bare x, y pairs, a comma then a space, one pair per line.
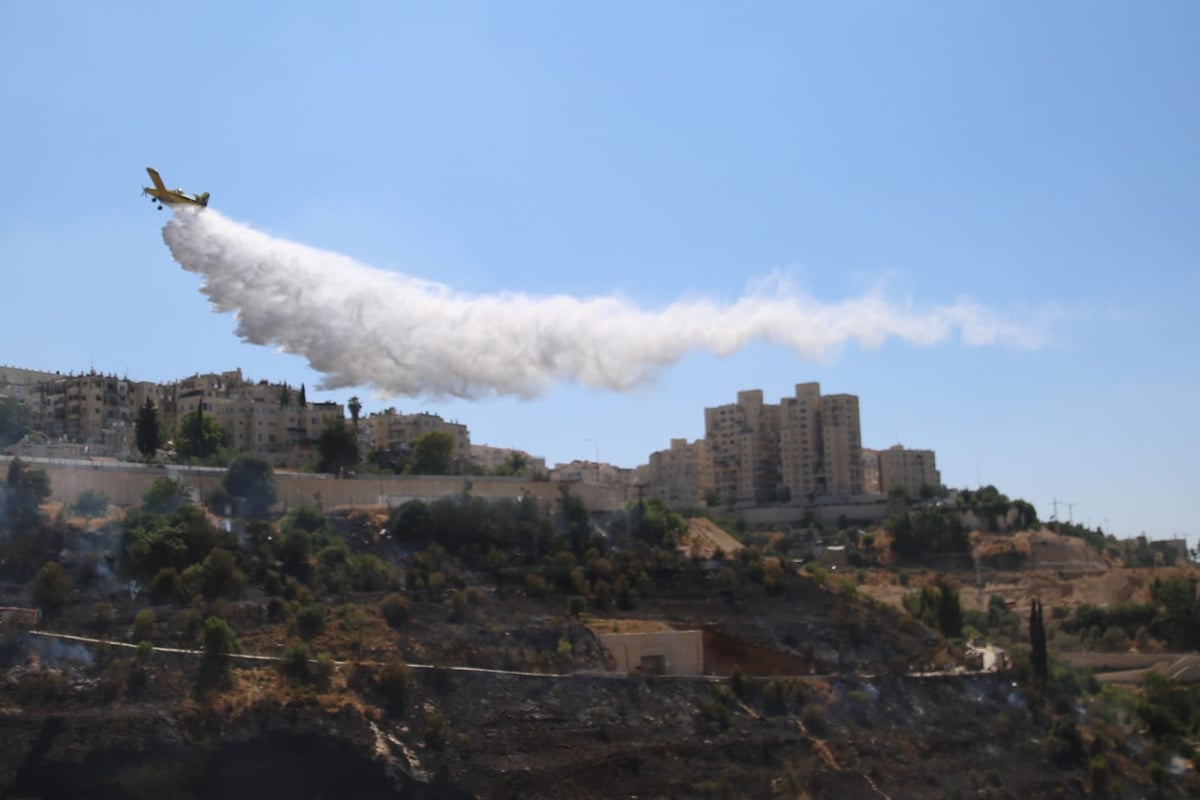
187, 623
310, 621
91, 503
322, 671
165, 584
51, 588
535, 585
143, 654
103, 617
395, 683
565, 650
295, 661
395, 609
813, 717
737, 681
144, 624
435, 730
775, 695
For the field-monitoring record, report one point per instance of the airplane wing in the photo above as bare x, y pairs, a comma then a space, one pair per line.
158, 184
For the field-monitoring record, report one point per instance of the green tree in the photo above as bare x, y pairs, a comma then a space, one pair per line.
251, 480
15, 420
51, 588
516, 463
165, 496
199, 436
147, 429
338, 447
303, 398
1037, 641
937, 606
355, 407
27, 488
949, 610
178, 540
220, 575
285, 396
220, 642
1177, 619
432, 454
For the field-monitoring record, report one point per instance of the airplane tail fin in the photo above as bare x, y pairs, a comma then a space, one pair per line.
158, 184
203, 199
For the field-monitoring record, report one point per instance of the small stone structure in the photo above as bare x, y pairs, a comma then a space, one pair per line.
657, 652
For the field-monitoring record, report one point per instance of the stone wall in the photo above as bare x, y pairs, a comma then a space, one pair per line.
124, 484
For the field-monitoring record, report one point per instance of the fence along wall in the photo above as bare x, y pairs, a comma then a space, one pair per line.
125, 484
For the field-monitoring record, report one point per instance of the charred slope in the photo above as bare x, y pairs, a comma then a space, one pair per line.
487, 735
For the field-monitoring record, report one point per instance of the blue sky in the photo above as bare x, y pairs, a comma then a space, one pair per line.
1039, 159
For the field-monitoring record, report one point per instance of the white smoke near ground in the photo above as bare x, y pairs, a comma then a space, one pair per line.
362, 326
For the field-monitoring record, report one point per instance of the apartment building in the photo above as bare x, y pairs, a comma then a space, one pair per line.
820, 444
870, 468
677, 475
91, 409
808, 444
841, 446
489, 458
17, 383
263, 418
593, 472
907, 469
742, 441
800, 441
391, 431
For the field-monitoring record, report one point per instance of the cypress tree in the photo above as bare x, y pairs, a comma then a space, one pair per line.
1037, 641
146, 428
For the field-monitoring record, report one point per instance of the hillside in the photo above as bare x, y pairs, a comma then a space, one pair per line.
450, 649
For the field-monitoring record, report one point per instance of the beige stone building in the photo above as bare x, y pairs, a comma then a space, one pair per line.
870, 468
266, 419
841, 447
391, 431
677, 475
93, 409
656, 652
16, 382
800, 441
593, 472
808, 444
489, 458
907, 469
742, 442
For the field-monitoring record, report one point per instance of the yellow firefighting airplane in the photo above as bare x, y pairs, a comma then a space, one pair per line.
160, 194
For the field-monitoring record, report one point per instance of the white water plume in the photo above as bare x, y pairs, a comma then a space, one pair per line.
361, 326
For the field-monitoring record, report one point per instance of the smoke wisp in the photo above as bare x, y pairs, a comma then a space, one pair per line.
361, 326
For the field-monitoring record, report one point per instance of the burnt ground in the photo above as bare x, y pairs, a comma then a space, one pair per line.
476, 734
112, 729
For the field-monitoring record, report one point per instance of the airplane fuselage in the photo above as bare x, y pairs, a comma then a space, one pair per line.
159, 193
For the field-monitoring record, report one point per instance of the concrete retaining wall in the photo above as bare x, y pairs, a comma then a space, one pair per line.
124, 484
